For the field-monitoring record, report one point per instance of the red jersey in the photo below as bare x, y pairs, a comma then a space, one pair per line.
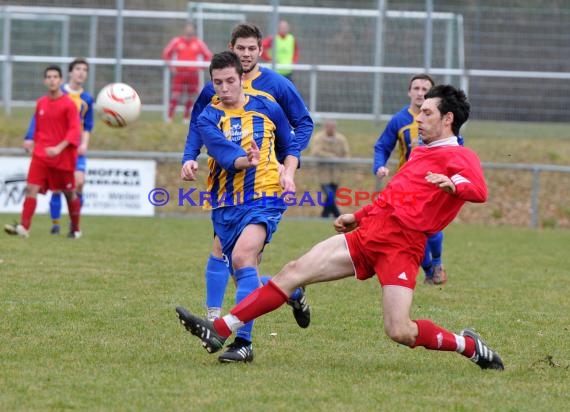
422, 206
183, 49
57, 120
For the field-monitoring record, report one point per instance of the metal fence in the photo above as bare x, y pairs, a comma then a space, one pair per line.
511, 57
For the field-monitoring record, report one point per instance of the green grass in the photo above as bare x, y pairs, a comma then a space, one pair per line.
90, 325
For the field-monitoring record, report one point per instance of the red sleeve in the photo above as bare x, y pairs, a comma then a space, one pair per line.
205, 51
470, 182
296, 52
169, 49
267, 43
73, 134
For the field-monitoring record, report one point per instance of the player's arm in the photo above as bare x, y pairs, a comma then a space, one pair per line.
29, 136
168, 51
383, 148
205, 51
266, 45
296, 111
467, 181
222, 150
345, 147
88, 122
194, 141
286, 147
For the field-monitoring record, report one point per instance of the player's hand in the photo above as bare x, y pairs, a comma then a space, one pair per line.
29, 146
253, 155
189, 170
288, 185
53, 151
345, 223
382, 172
82, 149
441, 181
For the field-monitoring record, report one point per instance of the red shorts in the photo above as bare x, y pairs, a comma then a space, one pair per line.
382, 246
50, 178
188, 82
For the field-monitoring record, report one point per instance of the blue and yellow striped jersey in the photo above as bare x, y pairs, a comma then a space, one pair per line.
402, 129
227, 135
266, 83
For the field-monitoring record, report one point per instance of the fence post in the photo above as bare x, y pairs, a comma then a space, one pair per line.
7, 66
534, 197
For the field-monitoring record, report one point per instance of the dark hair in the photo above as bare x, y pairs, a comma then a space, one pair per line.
421, 77
226, 59
245, 31
79, 60
451, 100
53, 67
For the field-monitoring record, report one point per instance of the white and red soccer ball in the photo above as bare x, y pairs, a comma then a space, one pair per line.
118, 104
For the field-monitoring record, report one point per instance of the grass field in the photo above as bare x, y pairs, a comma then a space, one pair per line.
90, 325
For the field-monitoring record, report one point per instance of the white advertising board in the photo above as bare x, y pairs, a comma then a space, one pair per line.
112, 187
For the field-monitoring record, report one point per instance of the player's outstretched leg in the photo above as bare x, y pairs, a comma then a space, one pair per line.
202, 329
297, 301
484, 356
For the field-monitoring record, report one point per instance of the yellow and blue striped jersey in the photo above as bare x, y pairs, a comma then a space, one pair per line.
227, 135
402, 129
265, 83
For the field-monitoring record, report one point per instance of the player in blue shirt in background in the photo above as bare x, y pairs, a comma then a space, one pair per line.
403, 130
246, 42
78, 70
249, 140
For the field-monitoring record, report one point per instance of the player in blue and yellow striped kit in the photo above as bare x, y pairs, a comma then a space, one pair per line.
247, 137
246, 40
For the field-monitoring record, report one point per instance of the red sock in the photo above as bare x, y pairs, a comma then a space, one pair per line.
74, 213
187, 107
257, 303
172, 108
28, 212
434, 337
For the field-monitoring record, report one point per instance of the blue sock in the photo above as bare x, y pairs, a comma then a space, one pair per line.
80, 196
435, 243
247, 281
427, 264
55, 207
217, 275
294, 296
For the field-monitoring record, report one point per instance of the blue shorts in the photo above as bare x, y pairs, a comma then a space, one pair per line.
229, 222
81, 165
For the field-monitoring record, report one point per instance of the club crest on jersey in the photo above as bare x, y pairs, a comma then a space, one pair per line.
236, 134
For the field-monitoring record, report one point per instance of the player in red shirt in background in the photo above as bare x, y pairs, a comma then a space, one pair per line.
188, 48
57, 136
387, 238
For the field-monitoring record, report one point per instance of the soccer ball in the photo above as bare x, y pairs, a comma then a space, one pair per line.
118, 104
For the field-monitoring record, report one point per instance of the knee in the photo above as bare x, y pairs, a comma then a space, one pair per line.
243, 259
290, 277
400, 333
